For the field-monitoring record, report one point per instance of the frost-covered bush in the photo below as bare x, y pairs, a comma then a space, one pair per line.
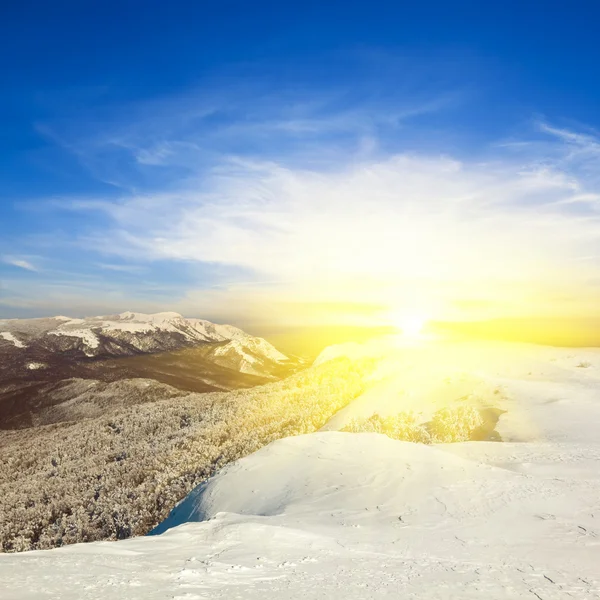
454, 424
370, 424
119, 475
402, 426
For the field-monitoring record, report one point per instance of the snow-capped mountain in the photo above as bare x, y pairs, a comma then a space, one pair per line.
132, 333
187, 354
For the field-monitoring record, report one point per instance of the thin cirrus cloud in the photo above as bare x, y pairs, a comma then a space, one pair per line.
337, 204
20, 263
399, 230
155, 143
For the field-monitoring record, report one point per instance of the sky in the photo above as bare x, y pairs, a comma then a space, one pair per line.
269, 163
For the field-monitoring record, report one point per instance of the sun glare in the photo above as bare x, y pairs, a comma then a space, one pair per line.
411, 326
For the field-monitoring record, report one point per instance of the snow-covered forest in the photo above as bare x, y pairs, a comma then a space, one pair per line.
119, 475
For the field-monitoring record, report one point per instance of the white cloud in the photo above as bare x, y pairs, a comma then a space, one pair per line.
133, 146
586, 143
124, 268
21, 263
403, 229
318, 193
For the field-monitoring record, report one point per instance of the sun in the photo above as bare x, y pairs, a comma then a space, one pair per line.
411, 326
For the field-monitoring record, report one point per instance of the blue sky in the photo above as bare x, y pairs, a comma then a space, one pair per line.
222, 159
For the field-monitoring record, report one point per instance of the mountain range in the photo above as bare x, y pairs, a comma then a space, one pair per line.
43, 360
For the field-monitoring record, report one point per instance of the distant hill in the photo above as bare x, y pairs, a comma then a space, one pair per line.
38, 357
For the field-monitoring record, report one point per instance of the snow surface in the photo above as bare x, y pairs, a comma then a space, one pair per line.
140, 322
549, 393
253, 343
361, 516
34, 366
87, 336
245, 361
236, 347
192, 330
9, 337
262, 347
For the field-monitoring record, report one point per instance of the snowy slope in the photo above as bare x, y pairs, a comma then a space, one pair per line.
548, 393
360, 516
338, 515
9, 337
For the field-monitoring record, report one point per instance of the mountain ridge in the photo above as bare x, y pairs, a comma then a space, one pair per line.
125, 334
191, 355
